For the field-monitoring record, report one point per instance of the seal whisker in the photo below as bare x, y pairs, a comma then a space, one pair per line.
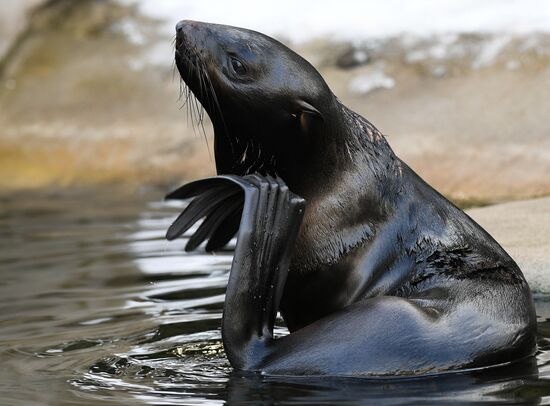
189, 105
204, 94
194, 108
186, 104
243, 157
193, 113
198, 106
181, 90
216, 103
174, 70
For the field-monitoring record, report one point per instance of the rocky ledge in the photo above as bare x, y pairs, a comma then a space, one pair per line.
523, 230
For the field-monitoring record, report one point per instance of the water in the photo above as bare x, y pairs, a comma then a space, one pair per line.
97, 308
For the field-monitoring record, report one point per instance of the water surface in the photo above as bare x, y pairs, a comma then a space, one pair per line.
97, 308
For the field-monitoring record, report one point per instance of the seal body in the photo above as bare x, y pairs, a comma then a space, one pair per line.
373, 271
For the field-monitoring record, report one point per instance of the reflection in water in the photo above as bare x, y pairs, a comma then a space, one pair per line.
97, 308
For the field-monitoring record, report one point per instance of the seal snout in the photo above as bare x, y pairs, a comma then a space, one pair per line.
184, 37
180, 25
183, 29
189, 34
188, 28
185, 24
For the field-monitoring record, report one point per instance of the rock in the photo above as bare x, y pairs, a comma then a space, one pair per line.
350, 57
477, 137
89, 95
372, 80
104, 109
523, 230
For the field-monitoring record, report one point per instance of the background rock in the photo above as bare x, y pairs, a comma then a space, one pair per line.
84, 101
523, 230
88, 95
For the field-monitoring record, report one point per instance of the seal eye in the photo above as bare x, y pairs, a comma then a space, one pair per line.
238, 66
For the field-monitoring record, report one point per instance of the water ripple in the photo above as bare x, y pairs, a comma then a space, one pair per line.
98, 308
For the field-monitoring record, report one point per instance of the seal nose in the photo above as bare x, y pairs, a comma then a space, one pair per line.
189, 24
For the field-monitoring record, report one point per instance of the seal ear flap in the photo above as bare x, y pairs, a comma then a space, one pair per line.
310, 118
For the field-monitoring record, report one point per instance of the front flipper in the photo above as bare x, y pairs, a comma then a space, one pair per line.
268, 217
220, 201
270, 222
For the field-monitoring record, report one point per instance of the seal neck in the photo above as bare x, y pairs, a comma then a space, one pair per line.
348, 146
358, 191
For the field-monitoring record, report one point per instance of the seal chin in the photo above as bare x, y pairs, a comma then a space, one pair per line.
200, 67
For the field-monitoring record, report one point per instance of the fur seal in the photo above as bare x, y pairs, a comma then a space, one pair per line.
374, 272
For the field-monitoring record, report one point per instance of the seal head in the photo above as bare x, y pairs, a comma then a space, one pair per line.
261, 97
